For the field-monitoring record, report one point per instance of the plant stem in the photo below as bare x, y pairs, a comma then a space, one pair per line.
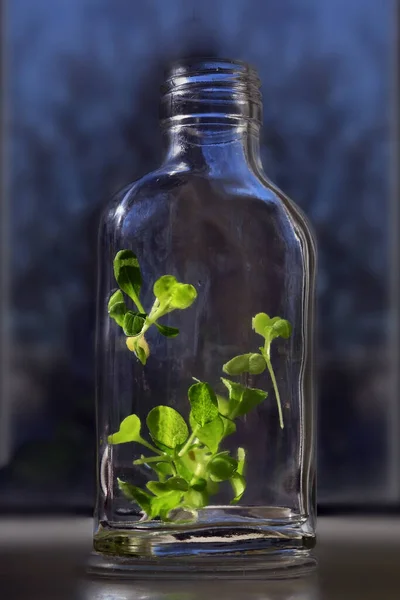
139, 304
149, 321
234, 412
275, 386
151, 459
189, 441
150, 447
154, 308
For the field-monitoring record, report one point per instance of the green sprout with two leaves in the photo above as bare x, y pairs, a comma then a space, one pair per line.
256, 363
186, 458
169, 296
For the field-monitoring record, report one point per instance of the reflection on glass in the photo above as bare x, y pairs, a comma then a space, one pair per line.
292, 589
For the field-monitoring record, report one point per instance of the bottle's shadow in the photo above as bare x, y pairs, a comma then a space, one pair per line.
293, 589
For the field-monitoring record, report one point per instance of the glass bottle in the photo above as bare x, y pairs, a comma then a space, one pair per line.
205, 435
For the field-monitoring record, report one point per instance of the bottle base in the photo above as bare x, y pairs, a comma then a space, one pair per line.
258, 551
267, 566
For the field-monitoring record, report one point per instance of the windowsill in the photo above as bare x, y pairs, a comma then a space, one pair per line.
42, 558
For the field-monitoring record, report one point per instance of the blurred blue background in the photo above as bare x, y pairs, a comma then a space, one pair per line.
81, 95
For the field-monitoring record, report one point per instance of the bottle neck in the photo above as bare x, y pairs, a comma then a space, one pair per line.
211, 114
216, 150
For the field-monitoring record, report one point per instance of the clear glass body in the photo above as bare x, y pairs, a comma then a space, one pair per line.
210, 217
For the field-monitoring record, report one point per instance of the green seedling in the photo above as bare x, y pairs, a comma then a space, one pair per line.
256, 363
169, 295
186, 458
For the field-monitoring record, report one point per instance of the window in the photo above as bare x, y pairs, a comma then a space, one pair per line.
82, 80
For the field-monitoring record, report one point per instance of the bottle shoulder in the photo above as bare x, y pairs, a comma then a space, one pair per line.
150, 185
164, 191
295, 214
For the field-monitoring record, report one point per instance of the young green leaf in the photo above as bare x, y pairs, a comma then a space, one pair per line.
210, 434
129, 431
235, 390
161, 505
167, 331
172, 294
183, 296
158, 488
203, 402
251, 398
222, 467
163, 470
162, 288
235, 395
142, 498
185, 467
241, 457
274, 320
196, 499
131, 343
140, 347
242, 399
167, 426
238, 484
128, 276
271, 328
257, 364
143, 345
117, 307
223, 405
229, 426
133, 322
245, 363
260, 322
199, 484
280, 328
237, 365
172, 484
141, 354
177, 484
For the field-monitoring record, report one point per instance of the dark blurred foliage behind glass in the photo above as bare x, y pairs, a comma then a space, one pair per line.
82, 89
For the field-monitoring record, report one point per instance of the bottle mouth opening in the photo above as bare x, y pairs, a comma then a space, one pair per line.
217, 88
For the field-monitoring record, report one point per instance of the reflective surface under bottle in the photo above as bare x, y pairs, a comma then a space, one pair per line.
210, 218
